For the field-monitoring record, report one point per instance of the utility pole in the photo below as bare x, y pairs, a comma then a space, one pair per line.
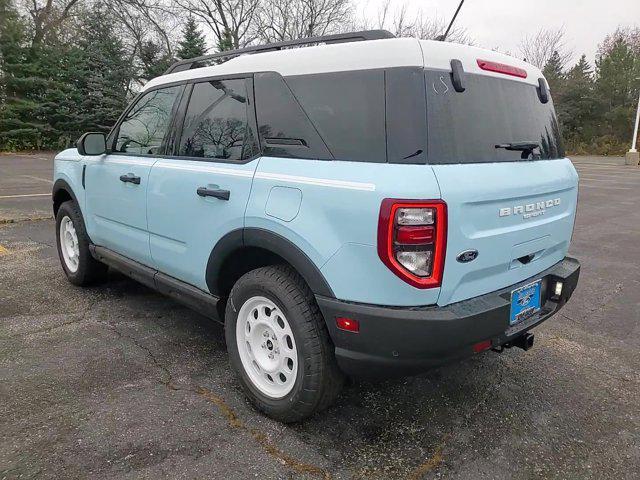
632, 157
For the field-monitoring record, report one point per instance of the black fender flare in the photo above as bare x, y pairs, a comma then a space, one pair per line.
273, 242
59, 185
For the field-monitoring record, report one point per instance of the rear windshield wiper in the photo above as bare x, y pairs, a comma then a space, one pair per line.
527, 148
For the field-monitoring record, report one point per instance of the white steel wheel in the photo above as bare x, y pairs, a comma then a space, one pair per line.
69, 244
267, 347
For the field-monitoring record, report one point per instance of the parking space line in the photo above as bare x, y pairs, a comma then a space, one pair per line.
612, 177
600, 165
610, 181
604, 187
588, 174
38, 178
4, 251
621, 171
26, 195
609, 172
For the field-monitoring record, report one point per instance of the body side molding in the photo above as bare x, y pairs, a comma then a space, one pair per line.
189, 295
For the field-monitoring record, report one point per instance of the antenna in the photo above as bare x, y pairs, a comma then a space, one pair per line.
442, 38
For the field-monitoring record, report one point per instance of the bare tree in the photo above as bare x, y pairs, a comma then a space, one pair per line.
48, 16
148, 30
539, 48
403, 22
630, 35
234, 19
144, 20
279, 20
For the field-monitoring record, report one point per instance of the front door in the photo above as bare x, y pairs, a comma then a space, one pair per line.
201, 193
116, 183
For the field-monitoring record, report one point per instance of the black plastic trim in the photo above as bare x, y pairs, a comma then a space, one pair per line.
543, 90
189, 295
277, 244
258, 237
61, 184
457, 76
404, 340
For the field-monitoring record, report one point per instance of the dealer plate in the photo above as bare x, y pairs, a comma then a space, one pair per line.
525, 301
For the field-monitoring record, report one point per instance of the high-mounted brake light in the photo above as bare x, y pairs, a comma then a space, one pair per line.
502, 68
412, 237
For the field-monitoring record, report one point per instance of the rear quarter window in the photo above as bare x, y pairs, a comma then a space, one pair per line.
348, 111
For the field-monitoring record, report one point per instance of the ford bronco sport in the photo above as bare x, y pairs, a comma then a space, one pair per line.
362, 205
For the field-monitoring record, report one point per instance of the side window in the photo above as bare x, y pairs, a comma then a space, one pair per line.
215, 125
348, 110
145, 127
284, 128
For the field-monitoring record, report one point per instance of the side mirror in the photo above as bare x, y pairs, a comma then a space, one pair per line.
92, 143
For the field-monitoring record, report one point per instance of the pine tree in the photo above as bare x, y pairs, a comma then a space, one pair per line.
193, 43
154, 59
617, 84
553, 73
54, 92
578, 106
226, 42
23, 83
105, 74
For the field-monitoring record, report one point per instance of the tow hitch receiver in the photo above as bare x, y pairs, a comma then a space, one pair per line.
525, 342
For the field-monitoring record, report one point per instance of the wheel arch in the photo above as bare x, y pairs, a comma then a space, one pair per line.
60, 193
245, 249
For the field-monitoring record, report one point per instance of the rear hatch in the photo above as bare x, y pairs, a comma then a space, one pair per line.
516, 208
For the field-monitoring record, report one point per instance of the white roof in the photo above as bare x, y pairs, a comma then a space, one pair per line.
364, 55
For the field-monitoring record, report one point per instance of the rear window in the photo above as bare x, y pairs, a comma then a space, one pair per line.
465, 127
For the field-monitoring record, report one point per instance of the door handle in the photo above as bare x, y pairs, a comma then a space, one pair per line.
130, 178
218, 193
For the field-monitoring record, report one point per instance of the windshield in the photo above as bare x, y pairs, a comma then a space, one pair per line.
476, 125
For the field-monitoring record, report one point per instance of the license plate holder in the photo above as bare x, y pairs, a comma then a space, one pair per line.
525, 301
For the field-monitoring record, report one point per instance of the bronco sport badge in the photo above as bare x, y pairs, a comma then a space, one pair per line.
530, 209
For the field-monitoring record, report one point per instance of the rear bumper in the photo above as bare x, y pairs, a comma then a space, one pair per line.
407, 340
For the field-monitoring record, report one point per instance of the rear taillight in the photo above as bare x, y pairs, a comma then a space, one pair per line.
412, 238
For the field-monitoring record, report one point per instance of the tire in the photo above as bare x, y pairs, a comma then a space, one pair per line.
73, 247
276, 300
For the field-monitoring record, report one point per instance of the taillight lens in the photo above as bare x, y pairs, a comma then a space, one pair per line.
412, 237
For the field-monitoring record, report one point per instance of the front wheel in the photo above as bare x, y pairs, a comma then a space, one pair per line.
279, 345
73, 247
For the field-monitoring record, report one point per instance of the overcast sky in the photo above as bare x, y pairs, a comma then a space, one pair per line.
503, 23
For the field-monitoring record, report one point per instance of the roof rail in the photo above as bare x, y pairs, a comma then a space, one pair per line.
229, 54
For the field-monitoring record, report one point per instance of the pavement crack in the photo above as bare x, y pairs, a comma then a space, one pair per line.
7, 221
166, 377
299, 467
430, 463
48, 329
39, 242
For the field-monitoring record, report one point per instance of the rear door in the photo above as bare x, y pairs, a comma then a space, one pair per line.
515, 206
116, 184
200, 193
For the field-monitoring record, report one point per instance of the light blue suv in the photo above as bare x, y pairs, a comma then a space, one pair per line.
354, 204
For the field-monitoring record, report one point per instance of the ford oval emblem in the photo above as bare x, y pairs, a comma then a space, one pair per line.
467, 256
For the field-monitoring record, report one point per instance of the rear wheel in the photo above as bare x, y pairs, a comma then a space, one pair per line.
73, 247
279, 345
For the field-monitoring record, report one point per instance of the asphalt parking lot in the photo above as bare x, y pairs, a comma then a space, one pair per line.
120, 382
